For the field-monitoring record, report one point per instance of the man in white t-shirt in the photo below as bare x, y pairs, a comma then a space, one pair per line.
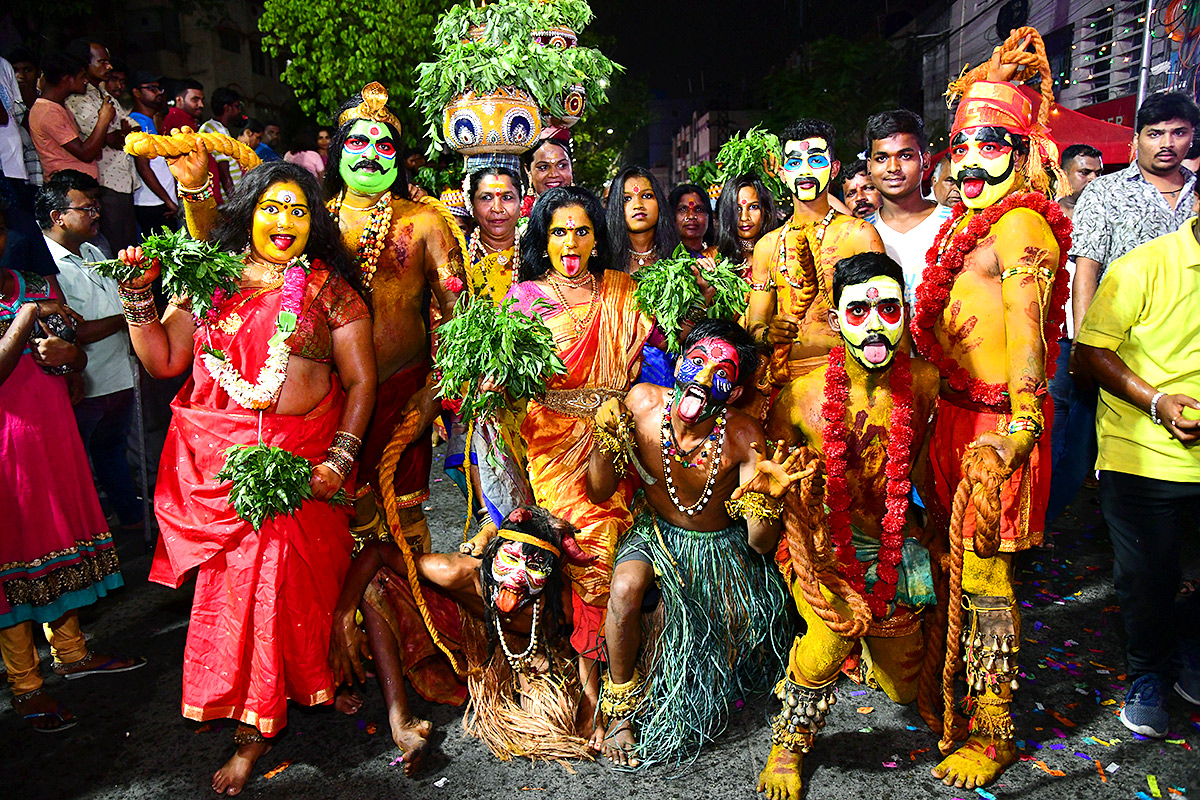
897, 157
12, 155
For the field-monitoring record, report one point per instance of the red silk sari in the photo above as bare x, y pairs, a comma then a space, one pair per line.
260, 623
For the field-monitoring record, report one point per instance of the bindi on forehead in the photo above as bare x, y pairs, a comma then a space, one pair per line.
873, 293
375, 130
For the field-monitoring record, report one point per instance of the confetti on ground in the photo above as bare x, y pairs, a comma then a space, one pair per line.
857, 694
396, 760
278, 770
205, 728
1113, 767
891, 764
865, 709
986, 795
371, 728
913, 755
1144, 796
1100, 769
1058, 773
440, 782
1152, 781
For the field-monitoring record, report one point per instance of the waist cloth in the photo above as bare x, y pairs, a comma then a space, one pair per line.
412, 471
1023, 497
725, 634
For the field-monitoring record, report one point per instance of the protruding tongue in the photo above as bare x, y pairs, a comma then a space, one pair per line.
972, 188
507, 600
690, 406
875, 353
571, 263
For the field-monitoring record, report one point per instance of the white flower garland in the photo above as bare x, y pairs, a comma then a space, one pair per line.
255, 396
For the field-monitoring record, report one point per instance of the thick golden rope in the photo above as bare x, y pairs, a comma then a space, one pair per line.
448, 218
805, 296
402, 437
982, 475
811, 555
183, 141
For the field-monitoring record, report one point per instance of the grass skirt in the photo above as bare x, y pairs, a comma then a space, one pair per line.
724, 637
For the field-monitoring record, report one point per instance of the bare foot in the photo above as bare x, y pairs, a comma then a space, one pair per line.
347, 701
595, 737
780, 778
620, 745
977, 763
587, 723
232, 776
411, 735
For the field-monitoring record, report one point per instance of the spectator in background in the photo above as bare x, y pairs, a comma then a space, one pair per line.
304, 152
227, 115
693, 217
115, 83
68, 211
897, 156
1073, 435
1083, 164
270, 141
25, 66
12, 154
251, 133
59, 142
188, 99
1149, 198
945, 189
117, 173
155, 200
324, 137
1140, 341
858, 192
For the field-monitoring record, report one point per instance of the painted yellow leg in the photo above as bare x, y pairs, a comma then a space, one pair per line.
780, 778
990, 747
895, 664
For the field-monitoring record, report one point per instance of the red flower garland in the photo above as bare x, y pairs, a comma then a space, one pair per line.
837, 492
944, 262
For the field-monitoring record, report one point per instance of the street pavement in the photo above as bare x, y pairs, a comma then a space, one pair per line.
131, 743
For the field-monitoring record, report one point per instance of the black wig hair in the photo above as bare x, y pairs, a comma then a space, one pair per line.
666, 238
542, 524
860, 268
727, 213
324, 239
728, 331
535, 261
684, 189
333, 177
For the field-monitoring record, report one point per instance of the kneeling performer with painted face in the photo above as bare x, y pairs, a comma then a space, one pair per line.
500, 625
857, 563
699, 547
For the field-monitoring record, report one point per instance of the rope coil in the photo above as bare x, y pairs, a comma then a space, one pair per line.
184, 141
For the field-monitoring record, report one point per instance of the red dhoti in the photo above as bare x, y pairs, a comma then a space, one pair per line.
1023, 496
412, 472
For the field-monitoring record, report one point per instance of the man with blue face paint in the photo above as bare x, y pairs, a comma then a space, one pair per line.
702, 546
793, 265
405, 250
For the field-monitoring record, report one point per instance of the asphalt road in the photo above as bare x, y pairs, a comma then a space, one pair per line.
132, 743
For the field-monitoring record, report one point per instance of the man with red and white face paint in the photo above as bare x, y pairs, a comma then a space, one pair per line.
868, 408
983, 161
711, 522
793, 265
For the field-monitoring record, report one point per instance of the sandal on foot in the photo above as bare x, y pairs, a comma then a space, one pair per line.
57, 714
86, 666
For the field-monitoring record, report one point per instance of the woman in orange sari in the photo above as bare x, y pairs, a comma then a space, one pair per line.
264, 597
599, 333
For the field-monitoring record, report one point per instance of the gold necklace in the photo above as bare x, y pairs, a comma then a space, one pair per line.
576, 323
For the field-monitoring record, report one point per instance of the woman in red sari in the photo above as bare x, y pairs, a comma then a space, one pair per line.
264, 598
599, 333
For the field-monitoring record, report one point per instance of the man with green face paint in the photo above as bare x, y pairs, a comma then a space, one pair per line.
793, 265
866, 415
404, 249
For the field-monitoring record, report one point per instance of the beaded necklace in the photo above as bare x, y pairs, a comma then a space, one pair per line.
792, 225
520, 661
715, 441
650, 256
371, 240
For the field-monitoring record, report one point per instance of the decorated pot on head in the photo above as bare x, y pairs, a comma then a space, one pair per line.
560, 37
506, 120
454, 200
574, 101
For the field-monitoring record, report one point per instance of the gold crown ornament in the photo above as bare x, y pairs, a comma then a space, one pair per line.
373, 107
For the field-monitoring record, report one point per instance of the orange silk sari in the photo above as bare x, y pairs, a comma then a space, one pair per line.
604, 356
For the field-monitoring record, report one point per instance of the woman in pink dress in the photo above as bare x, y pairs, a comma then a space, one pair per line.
56, 554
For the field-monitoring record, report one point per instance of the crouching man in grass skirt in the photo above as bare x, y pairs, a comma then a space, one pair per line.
500, 619
858, 566
701, 545
264, 597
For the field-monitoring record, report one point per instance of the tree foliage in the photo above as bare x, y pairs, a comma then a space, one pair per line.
335, 48
843, 83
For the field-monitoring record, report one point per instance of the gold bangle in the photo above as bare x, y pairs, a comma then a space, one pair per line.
613, 447
755, 504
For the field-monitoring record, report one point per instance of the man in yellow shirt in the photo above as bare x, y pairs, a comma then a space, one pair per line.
1140, 340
